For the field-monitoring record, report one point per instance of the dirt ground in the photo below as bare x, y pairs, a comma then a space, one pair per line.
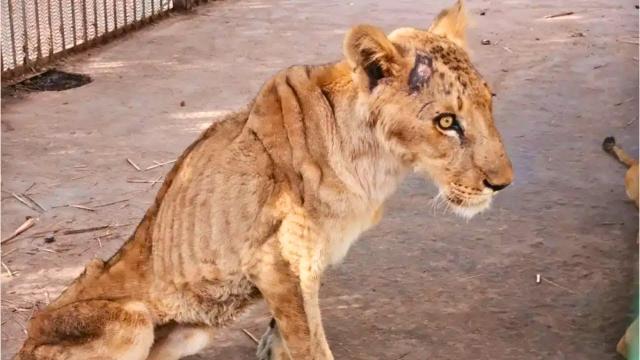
422, 284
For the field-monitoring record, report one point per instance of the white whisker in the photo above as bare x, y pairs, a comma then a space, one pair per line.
437, 201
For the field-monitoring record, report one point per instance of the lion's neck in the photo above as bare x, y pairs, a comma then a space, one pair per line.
359, 158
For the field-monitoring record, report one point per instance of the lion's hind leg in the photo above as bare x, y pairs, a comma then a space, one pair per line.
91, 329
180, 341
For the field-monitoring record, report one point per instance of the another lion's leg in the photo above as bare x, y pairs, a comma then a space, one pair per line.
293, 301
92, 329
182, 340
271, 346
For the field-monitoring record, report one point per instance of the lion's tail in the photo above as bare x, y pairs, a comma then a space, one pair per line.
609, 145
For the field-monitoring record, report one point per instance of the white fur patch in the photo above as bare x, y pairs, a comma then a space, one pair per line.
468, 212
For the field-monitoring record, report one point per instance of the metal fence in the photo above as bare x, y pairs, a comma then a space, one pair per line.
34, 32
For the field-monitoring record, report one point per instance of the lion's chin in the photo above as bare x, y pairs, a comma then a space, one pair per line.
469, 211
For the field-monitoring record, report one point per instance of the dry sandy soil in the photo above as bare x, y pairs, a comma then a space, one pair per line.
422, 284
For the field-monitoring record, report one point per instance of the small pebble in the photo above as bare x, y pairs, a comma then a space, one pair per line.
485, 42
49, 239
183, 103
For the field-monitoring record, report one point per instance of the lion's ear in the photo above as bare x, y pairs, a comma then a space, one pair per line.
368, 51
452, 23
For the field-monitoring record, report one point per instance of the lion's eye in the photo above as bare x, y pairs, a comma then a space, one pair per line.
447, 121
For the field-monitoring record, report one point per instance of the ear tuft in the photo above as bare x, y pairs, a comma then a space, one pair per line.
452, 23
367, 47
374, 73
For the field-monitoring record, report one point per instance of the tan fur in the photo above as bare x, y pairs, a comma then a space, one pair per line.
628, 343
632, 176
269, 197
452, 23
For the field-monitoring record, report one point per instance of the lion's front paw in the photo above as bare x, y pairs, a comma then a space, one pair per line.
270, 346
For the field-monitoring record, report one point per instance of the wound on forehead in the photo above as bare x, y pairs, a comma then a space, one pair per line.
421, 72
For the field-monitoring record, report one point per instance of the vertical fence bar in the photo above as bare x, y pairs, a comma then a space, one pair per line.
153, 7
84, 21
135, 11
25, 46
64, 42
106, 18
95, 18
115, 15
49, 22
13, 35
125, 13
38, 41
73, 21
144, 9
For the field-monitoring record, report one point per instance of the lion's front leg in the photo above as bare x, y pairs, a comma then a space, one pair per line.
292, 298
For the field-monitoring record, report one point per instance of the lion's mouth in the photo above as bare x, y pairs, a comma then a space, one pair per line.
468, 208
465, 201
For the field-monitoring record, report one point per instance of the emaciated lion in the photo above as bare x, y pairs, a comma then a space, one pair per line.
268, 197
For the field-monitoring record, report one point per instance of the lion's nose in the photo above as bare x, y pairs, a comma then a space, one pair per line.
494, 187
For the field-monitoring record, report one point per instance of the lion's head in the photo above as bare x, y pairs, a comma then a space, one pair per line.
431, 107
